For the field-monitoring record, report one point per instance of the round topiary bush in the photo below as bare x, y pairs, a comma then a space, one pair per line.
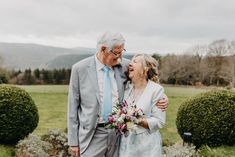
209, 117
18, 114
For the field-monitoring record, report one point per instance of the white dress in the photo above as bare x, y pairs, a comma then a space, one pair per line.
143, 142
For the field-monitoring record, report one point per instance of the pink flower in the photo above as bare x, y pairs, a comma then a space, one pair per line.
123, 114
111, 119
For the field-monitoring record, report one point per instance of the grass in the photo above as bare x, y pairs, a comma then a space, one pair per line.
223, 151
52, 105
6, 151
52, 111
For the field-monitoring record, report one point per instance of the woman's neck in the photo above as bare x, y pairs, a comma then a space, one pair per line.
139, 83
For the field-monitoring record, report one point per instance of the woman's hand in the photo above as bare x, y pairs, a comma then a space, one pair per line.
143, 122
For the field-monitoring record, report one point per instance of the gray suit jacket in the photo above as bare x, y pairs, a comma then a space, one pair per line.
84, 100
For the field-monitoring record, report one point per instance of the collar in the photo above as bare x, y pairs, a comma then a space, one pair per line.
99, 65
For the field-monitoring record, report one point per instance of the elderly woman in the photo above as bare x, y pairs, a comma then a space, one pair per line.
144, 140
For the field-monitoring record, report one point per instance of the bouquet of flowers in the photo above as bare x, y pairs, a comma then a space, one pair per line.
124, 116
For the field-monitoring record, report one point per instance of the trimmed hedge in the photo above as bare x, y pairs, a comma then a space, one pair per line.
18, 114
209, 117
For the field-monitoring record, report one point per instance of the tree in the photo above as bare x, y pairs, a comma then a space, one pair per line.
28, 78
198, 53
47, 76
217, 61
1, 61
37, 73
4, 74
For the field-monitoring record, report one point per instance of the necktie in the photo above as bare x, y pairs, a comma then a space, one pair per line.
107, 108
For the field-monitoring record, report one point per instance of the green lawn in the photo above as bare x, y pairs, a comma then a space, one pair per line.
52, 105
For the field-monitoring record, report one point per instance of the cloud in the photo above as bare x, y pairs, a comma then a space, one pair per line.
150, 25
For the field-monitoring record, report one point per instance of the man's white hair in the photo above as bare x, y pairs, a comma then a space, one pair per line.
109, 40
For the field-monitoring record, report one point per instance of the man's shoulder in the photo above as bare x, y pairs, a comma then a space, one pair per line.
84, 62
125, 61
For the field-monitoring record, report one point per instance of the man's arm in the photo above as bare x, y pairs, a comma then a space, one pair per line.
163, 103
73, 107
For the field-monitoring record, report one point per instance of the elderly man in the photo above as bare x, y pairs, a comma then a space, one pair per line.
96, 84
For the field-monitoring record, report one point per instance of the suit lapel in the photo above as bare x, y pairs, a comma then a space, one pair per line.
93, 77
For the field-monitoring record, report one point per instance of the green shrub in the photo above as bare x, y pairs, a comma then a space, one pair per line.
18, 114
209, 117
3, 79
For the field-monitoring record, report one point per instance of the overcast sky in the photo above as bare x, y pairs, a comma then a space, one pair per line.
149, 26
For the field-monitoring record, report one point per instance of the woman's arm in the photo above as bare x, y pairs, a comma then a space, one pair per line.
158, 117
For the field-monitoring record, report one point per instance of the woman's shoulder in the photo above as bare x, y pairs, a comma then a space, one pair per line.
154, 85
157, 91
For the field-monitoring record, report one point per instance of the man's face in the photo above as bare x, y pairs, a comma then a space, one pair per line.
114, 56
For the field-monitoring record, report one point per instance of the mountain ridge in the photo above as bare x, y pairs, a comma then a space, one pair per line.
20, 56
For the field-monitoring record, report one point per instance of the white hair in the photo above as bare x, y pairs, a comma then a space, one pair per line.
110, 40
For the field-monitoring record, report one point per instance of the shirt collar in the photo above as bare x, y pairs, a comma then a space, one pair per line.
99, 65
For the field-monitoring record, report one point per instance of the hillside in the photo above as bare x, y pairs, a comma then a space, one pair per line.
66, 61
21, 56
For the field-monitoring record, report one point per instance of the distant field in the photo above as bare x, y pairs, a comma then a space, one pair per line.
45, 88
51, 101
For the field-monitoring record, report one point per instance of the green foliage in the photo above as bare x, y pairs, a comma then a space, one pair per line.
28, 78
209, 117
18, 114
51, 102
7, 151
222, 151
4, 76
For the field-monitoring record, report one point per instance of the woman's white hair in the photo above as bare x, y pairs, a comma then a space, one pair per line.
109, 40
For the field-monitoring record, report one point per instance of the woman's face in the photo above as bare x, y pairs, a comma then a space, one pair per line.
135, 68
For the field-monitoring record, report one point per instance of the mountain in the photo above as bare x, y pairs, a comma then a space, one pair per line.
66, 61
21, 56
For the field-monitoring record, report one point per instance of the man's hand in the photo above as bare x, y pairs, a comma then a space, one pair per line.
75, 151
163, 103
